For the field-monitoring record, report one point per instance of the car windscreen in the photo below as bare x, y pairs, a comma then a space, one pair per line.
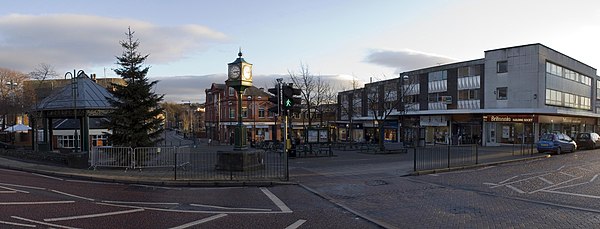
583, 136
547, 137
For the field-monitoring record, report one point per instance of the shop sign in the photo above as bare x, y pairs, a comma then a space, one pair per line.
508, 118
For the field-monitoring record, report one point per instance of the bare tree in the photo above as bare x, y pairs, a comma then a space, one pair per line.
307, 82
11, 94
386, 98
351, 104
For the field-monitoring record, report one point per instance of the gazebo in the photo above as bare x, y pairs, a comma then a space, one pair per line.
81, 100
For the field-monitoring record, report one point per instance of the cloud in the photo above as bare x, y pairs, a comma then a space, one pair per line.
79, 41
406, 60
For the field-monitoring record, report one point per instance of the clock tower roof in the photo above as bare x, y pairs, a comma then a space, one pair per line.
239, 59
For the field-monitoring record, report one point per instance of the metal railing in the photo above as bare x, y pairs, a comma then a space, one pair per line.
185, 163
438, 157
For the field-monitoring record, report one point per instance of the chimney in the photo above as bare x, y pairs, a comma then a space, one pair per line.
93, 77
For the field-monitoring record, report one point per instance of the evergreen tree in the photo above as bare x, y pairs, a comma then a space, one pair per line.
134, 122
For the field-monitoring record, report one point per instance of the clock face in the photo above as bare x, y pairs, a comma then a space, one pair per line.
247, 74
234, 72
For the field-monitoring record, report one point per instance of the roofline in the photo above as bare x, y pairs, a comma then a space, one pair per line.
540, 44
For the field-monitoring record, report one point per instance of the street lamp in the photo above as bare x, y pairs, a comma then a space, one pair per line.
403, 91
191, 120
11, 86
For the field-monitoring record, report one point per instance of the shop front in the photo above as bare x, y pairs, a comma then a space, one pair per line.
569, 125
436, 127
509, 129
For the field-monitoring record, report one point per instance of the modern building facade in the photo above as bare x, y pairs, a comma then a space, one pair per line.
511, 96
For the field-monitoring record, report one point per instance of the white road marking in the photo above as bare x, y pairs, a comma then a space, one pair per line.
17, 224
22, 186
434, 175
157, 187
276, 200
521, 180
93, 215
128, 202
507, 180
571, 175
41, 175
14, 190
594, 178
228, 208
42, 223
72, 195
190, 224
545, 180
39, 202
560, 167
552, 186
191, 211
296, 224
490, 184
571, 194
515, 189
568, 186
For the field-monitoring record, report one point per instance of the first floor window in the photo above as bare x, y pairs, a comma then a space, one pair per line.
502, 93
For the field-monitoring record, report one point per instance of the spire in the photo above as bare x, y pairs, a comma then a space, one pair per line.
240, 52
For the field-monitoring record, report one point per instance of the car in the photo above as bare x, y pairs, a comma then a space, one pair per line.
588, 140
556, 143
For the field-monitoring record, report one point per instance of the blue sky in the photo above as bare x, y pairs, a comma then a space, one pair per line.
192, 41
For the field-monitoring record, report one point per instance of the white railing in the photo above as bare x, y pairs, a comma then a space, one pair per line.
438, 86
471, 82
468, 104
139, 158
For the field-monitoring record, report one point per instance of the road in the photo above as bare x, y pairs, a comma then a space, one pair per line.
31, 200
557, 192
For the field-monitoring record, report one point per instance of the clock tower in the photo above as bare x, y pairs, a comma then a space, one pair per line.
239, 77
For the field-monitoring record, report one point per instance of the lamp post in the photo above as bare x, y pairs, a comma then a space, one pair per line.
403, 92
11, 86
75, 94
191, 121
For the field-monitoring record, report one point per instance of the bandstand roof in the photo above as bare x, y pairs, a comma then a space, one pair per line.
90, 96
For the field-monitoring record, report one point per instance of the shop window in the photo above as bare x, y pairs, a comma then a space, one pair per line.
502, 66
502, 93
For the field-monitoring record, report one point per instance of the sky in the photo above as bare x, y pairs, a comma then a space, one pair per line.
190, 42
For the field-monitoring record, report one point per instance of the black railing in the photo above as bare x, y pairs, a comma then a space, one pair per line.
445, 156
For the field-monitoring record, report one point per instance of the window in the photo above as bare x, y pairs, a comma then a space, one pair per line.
502, 66
502, 93
472, 94
231, 112
439, 75
433, 97
231, 91
244, 112
597, 89
261, 112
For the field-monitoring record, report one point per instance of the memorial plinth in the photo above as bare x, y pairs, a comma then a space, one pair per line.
240, 160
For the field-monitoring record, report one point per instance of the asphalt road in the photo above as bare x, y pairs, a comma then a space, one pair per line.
31, 200
562, 191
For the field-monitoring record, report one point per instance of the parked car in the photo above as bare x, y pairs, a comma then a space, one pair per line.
556, 143
588, 140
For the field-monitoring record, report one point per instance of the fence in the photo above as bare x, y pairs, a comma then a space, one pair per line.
437, 157
185, 163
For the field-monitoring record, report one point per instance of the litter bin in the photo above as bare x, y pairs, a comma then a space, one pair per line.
78, 160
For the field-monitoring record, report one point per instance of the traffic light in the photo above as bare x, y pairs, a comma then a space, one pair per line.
290, 98
275, 100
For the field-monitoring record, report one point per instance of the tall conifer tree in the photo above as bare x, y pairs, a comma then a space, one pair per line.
134, 122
